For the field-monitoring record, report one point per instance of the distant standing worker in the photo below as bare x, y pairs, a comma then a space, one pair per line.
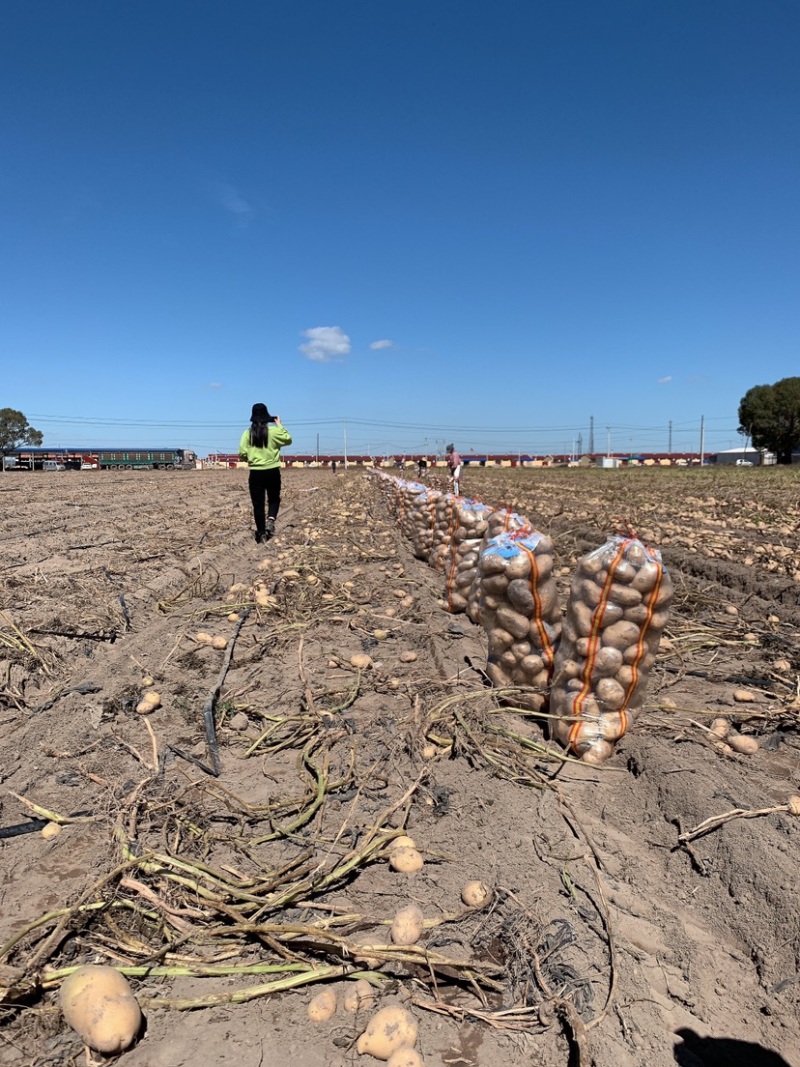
454, 462
261, 446
422, 467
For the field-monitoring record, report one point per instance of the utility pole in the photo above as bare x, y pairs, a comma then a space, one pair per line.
670, 436
608, 441
344, 423
591, 435
702, 438
317, 449
580, 444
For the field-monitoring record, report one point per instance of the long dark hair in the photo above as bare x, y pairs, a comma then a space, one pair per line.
259, 433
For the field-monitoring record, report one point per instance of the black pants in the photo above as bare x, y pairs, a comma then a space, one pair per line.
261, 484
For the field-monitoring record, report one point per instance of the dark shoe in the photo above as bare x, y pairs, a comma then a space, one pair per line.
270, 528
260, 537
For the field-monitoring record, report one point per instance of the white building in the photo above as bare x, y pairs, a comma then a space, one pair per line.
745, 457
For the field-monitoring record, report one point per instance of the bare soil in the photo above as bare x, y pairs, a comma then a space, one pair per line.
232, 899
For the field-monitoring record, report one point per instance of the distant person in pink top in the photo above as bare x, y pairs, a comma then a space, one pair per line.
454, 463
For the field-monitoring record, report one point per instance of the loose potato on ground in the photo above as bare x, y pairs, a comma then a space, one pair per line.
149, 702
475, 894
742, 743
406, 860
358, 996
405, 1057
407, 925
323, 1006
402, 842
99, 1005
361, 661
390, 1029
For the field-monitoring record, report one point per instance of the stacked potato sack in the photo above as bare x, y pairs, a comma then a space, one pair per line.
393, 491
616, 612
388, 489
500, 521
461, 562
420, 523
446, 524
519, 609
407, 493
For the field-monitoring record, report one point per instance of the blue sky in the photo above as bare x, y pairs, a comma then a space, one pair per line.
409, 223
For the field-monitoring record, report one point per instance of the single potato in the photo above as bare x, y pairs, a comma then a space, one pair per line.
390, 1029
475, 894
407, 925
405, 1057
407, 860
323, 1006
358, 996
99, 1005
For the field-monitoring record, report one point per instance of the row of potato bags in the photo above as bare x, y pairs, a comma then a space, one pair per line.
586, 665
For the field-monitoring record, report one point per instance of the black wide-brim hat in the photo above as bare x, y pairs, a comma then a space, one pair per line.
259, 413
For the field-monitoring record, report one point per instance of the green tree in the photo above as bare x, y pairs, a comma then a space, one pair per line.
770, 416
15, 431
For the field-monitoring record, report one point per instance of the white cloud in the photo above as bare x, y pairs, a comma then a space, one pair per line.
232, 201
377, 345
665, 380
214, 385
325, 344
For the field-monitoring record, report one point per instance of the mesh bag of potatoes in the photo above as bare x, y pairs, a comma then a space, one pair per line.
504, 520
407, 493
389, 489
519, 609
445, 525
420, 521
500, 521
616, 612
466, 542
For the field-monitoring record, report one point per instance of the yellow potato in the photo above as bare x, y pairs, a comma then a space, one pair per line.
99, 1005
402, 842
51, 831
407, 925
359, 996
323, 1006
475, 894
743, 696
361, 661
720, 728
741, 743
203, 638
405, 1057
147, 681
407, 860
390, 1029
408, 657
219, 642
148, 703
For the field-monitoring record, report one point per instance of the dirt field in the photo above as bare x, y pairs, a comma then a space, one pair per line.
613, 936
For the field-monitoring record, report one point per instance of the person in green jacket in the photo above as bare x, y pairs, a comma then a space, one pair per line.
261, 446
